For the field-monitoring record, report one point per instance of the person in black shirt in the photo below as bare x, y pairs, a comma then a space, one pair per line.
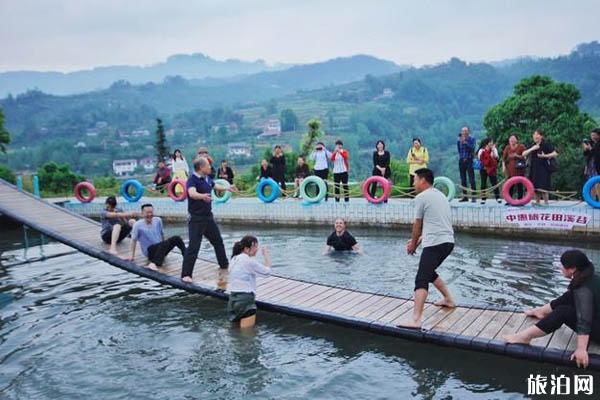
340, 239
201, 222
381, 165
302, 172
278, 164
265, 170
225, 172
540, 153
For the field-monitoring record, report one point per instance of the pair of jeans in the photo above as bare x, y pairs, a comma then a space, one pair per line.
158, 251
465, 167
323, 174
341, 179
198, 227
493, 181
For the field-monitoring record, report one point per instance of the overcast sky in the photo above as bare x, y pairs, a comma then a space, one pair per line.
67, 35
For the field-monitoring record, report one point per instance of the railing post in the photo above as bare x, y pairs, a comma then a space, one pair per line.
20, 183
36, 186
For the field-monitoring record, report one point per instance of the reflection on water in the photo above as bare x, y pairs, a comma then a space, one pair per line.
73, 327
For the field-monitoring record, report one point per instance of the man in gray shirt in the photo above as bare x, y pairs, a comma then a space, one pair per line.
433, 229
149, 232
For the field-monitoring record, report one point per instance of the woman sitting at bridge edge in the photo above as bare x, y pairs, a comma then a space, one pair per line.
578, 307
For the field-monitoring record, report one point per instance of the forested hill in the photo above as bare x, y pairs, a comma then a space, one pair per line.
431, 102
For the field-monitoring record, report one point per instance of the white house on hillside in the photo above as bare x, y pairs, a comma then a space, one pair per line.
271, 128
148, 163
124, 167
239, 149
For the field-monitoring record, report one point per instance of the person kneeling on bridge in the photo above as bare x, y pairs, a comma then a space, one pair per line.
115, 224
242, 280
578, 307
149, 232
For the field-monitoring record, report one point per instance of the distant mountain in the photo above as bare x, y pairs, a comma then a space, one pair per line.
194, 66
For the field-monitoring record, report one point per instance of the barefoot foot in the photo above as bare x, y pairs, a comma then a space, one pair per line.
445, 303
152, 266
187, 279
113, 251
515, 338
410, 323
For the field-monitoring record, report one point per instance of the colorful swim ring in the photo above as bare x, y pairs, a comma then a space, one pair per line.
322, 189
138, 188
381, 181
216, 198
587, 191
260, 189
530, 191
448, 184
90, 189
183, 175
172, 190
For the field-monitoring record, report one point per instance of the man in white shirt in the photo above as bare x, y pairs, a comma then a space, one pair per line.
321, 158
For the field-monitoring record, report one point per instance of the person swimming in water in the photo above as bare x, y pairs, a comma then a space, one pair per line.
340, 239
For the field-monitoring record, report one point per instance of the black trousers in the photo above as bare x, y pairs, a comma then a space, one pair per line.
125, 231
158, 252
431, 258
341, 179
564, 312
323, 174
493, 181
519, 188
373, 186
198, 227
411, 180
465, 167
279, 177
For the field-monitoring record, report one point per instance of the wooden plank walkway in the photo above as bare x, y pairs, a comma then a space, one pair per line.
468, 327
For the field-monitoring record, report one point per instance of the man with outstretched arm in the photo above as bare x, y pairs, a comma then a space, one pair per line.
200, 219
433, 229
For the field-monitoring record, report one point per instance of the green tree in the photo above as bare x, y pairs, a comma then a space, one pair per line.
4, 135
538, 102
289, 120
58, 179
310, 138
7, 174
162, 152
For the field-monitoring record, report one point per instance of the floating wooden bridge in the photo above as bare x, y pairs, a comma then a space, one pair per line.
467, 326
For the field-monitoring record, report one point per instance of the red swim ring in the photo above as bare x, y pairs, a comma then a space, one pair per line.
380, 180
513, 181
171, 190
87, 186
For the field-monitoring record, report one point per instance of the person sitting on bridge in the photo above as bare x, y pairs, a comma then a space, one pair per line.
578, 307
340, 239
432, 228
149, 232
116, 224
242, 280
162, 177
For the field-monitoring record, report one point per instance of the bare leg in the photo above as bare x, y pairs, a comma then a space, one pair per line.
524, 337
116, 231
417, 316
447, 301
540, 312
248, 322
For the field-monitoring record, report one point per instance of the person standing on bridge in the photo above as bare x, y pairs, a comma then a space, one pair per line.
242, 280
116, 224
433, 229
200, 220
149, 232
578, 308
